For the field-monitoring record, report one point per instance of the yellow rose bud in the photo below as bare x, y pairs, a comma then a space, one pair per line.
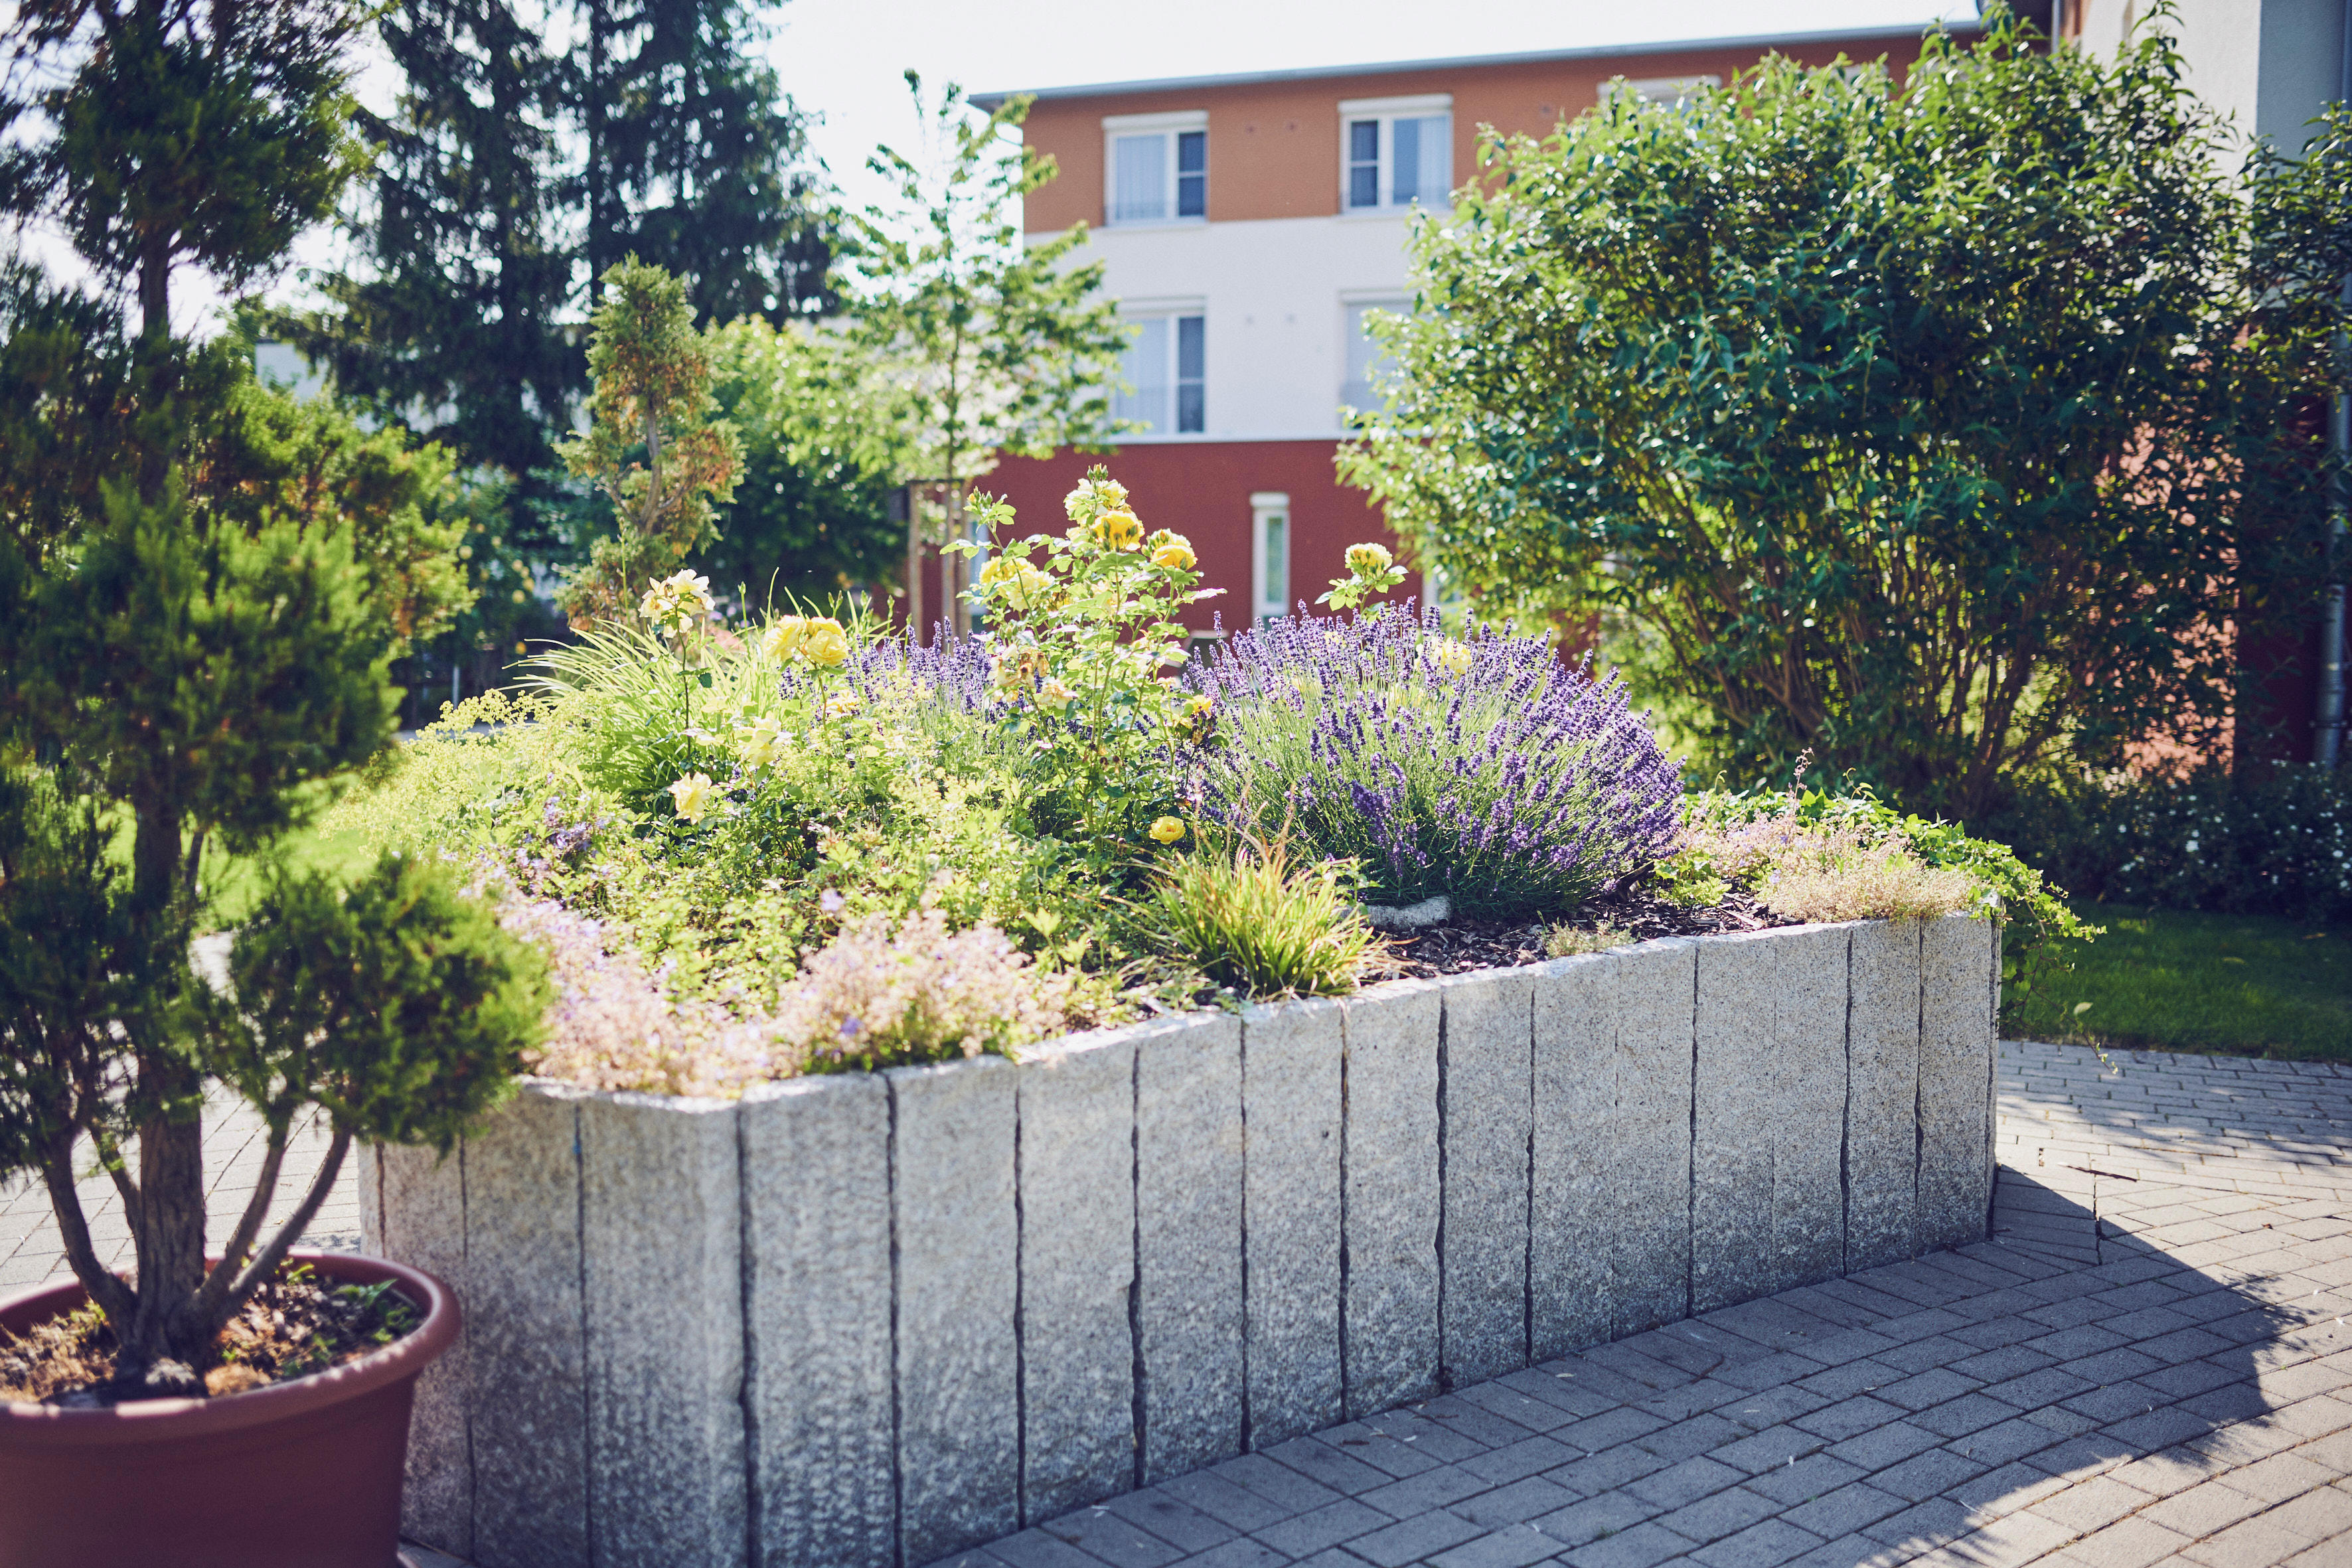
1168, 829
841, 705
1175, 552
1119, 529
783, 637
761, 742
692, 794
824, 643
1369, 560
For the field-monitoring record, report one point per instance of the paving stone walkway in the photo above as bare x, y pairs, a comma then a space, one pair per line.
2148, 1363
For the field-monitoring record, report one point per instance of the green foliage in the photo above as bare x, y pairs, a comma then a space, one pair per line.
1079, 646
652, 445
1912, 426
1001, 345
1257, 921
820, 429
394, 1001
65, 411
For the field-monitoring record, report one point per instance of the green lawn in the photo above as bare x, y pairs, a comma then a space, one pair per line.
2245, 984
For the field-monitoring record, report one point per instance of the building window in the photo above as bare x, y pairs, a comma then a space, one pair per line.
1158, 167
1166, 372
1368, 361
1269, 555
1399, 153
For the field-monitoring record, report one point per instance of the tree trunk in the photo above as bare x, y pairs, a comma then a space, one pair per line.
155, 352
169, 1235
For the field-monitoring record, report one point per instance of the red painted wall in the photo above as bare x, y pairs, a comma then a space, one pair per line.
1203, 489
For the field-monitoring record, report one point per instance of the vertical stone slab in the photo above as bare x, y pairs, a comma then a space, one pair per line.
1290, 1111
1882, 1124
817, 1207
1485, 1107
1650, 989
526, 1388
1389, 1337
1955, 1049
957, 1232
1807, 1131
1739, 978
423, 1194
1078, 1268
369, 1175
1188, 1235
661, 1220
1572, 1207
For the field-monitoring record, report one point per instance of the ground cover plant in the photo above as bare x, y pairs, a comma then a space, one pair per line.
2247, 985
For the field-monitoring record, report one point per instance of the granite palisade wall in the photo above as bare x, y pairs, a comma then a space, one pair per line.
866, 1321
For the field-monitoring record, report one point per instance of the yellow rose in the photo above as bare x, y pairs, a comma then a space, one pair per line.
1166, 830
1196, 706
1175, 552
1119, 529
783, 637
693, 795
824, 643
761, 742
1369, 560
1454, 657
841, 705
1056, 695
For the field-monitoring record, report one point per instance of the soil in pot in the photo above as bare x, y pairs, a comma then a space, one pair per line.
296, 1324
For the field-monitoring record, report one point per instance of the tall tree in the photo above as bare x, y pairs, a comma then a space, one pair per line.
1007, 347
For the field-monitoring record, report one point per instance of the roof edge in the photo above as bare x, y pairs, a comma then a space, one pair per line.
990, 100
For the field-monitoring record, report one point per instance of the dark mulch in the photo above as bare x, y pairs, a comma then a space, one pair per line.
1459, 946
296, 1324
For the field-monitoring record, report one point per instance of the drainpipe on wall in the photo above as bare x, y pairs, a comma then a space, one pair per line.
2328, 718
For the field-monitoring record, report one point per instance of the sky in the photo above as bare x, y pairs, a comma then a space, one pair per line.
843, 61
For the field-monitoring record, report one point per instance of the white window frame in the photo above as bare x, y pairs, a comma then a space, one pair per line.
1668, 91
1166, 126
1136, 312
1265, 507
1350, 301
1387, 111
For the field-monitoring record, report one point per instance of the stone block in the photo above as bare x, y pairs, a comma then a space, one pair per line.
1613, 1038
1767, 1210
1882, 1119
817, 1207
953, 1214
368, 1176
1956, 975
1077, 1270
527, 1389
1486, 1086
1572, 1208
661, 1212
422, 1196
1392, 1197
1290, 1113
1188, 1235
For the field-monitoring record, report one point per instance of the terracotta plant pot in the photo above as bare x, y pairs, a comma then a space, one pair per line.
304, 1474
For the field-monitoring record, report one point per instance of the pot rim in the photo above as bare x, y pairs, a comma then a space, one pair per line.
170, 1420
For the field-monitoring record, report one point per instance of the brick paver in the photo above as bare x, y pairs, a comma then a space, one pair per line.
2147, 1364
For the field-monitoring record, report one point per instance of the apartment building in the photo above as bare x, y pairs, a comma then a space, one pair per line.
1247, 225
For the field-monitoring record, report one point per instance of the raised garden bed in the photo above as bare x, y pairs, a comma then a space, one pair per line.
863, 1320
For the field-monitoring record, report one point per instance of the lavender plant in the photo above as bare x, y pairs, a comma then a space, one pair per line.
1476, 766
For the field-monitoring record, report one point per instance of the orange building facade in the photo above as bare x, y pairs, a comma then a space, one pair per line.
1247, 225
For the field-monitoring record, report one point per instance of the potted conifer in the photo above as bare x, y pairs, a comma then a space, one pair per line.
189, 666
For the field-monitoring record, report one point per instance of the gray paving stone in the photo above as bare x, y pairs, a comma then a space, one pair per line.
1392, 1198
1484, 1099
1290, 1106
1188, 1210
